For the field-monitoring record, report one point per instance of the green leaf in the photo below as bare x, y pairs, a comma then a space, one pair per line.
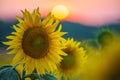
33, 76
8, 72
48, 76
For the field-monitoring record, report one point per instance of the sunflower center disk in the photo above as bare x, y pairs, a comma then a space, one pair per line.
67, 61
38, 42
35, 43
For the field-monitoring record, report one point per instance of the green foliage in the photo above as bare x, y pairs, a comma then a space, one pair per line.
35, 76
8, 72
48, 76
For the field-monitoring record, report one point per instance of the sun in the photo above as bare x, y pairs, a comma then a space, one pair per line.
60, 12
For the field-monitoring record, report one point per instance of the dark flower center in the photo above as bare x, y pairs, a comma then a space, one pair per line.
68, 60
35, 42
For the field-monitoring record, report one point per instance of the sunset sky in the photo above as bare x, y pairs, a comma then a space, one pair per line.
90, 12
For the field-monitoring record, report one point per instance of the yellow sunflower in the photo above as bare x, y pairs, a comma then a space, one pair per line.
71, 65
111, 54
105, 65
36, 42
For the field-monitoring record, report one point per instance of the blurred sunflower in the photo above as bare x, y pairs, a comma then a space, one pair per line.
105, 37
112, 58
36, 42
106, 65
71, 64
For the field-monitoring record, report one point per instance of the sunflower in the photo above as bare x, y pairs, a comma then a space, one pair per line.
106, 65
36, 42
112, 57
71, 65
104, 37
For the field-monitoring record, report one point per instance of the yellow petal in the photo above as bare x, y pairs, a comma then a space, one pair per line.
14, 51
18, 57
17, 29
45, 21
39, 68
29, 66
19, 19
10, 37
55, 25
50, 21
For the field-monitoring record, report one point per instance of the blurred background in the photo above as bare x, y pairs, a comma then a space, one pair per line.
85, 18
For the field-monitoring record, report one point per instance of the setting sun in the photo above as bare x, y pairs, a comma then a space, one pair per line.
60, 12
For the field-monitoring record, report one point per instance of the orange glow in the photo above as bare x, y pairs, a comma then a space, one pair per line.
82, 11
60, 12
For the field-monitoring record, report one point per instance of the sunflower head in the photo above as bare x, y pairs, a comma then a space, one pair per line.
112, 57
36, 42
71, 65
106, 65
105, 36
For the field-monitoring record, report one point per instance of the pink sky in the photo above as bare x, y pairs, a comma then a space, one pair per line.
90, 12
